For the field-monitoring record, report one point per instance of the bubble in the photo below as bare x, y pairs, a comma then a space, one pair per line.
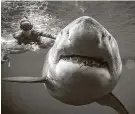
34, 47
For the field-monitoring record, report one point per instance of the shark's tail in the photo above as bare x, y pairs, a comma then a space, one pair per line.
24, 79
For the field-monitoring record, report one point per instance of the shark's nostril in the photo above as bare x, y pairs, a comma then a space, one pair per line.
97, 40
61, 32
68, 32
103, 36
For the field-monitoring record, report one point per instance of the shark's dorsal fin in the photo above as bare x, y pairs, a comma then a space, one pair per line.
25, 79
112, 101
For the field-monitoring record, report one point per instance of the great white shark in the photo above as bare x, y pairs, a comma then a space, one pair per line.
83, 66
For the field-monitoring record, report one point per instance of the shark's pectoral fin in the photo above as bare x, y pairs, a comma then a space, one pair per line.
111, 101
25, 79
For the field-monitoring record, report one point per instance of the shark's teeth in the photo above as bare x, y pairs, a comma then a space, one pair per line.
86, 61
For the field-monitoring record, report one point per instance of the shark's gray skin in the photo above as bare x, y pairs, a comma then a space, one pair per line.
83, 66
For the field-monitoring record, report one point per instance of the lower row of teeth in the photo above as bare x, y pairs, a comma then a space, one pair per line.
84, 62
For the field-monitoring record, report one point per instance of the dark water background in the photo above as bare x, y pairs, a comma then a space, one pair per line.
117, 17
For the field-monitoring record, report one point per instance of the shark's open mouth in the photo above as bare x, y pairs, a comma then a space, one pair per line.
86, 61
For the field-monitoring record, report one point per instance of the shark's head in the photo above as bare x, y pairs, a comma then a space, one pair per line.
86, 48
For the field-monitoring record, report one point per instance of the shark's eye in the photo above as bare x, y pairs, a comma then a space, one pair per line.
110, 38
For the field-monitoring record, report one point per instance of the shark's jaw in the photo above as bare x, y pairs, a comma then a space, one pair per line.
78, 80
80, 63
76, 74
85, 60
84, 65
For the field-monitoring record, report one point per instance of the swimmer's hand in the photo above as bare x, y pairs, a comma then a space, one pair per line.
32, 47
46, 43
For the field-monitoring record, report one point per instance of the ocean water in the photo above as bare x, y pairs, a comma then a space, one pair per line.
52, 16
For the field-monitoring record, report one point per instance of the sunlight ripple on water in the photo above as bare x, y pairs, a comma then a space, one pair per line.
35, 12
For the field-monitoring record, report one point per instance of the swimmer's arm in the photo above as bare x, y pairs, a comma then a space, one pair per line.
17, 51
12, 47
45, 34
48, 35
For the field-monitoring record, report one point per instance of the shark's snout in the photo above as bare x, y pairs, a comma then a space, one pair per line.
85, 37
86, 41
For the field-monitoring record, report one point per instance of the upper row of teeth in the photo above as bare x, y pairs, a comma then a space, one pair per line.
85, 62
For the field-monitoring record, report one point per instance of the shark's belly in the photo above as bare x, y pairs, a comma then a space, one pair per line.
77, 91
79, 87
